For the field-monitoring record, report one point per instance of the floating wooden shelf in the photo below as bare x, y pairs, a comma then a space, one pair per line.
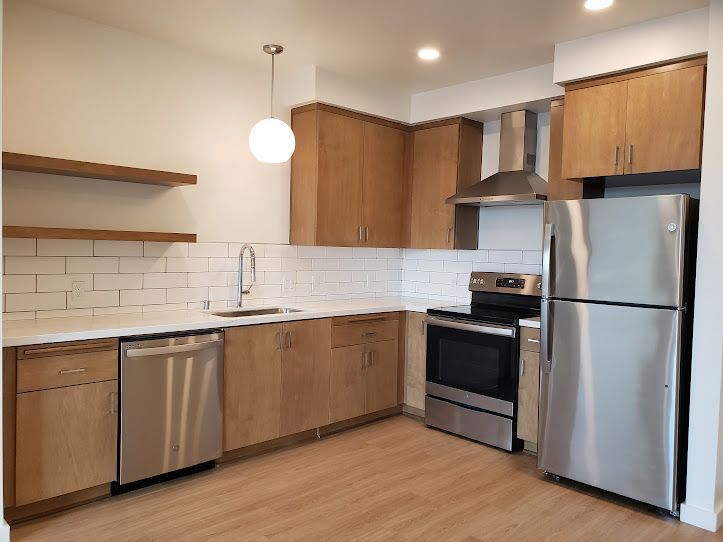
73, 168
100, 235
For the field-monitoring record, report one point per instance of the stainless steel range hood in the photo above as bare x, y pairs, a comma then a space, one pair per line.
516, 183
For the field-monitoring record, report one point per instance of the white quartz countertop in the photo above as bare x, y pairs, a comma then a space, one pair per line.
531, 322
53, 330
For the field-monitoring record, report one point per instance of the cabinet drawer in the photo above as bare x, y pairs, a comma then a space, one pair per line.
530, 339
66, 364
364, 332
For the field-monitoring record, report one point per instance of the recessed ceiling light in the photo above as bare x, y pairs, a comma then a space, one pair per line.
428, 54
595, 5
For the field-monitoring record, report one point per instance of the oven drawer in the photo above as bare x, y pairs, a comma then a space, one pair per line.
530, 339
350, 331
473, 424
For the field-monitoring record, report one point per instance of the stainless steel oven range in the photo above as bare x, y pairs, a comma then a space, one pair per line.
472, 359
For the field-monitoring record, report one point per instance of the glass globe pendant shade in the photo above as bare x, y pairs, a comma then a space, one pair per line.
272, 141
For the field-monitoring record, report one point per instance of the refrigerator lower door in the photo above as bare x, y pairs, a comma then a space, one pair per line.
609, 399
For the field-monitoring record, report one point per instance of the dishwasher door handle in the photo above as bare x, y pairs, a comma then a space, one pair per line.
175, 349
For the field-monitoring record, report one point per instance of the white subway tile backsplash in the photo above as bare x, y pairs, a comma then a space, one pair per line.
142, 265
118, 248
505, 256
524, 269
64, 283
208, 250
98, 298
19, 247
188, 265
149, 296
64, 313
19, 284
123, 277
64, 247
185, 295
165, 280
34, 265
118, 281
10, 316
92, 264
165, 250
34, 301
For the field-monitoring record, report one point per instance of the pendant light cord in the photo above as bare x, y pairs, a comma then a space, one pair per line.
273, 55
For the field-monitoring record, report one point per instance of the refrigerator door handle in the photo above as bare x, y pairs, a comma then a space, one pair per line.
545, 336
546, 258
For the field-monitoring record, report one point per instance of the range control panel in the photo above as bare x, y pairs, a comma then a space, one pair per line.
505, 283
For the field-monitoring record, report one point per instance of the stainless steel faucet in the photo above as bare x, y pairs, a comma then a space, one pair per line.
241, 290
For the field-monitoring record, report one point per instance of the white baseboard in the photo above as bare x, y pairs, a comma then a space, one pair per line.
4, 531
705, 519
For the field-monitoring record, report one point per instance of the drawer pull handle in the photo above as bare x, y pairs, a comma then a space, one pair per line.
533, 340
71, 371
367, 318
369, 333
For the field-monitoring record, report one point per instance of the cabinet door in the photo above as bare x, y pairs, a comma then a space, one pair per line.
252, 385
594, 131
383, 185
434, 179
382, 371
305, 375
528, 396
339, 189
66, 440
415, 378
347, 383
665, 121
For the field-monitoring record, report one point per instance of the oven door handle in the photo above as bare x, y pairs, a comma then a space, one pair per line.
487, 329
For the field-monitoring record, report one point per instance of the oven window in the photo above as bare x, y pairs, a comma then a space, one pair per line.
475, 362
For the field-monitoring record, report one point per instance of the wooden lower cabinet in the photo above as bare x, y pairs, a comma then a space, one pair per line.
305, 366
363, 379
416, 360
528, 391
65, 440
252, 385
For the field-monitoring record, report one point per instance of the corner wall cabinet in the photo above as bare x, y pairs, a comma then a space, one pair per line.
447, 156
347, 178
646, 121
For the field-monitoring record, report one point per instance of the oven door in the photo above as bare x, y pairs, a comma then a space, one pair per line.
472, 364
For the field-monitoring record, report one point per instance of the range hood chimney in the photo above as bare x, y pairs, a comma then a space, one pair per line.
516, 183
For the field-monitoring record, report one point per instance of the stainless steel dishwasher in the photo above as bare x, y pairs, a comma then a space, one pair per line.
171, 404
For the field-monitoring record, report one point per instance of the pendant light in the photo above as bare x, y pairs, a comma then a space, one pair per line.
271, 140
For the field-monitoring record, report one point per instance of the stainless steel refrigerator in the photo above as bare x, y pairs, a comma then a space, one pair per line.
615, 333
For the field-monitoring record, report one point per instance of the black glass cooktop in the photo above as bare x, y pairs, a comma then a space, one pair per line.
492, 314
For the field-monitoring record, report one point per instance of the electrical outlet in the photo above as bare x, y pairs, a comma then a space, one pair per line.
76, 289
288, 285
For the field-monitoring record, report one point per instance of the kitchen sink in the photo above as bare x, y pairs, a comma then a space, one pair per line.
235, 313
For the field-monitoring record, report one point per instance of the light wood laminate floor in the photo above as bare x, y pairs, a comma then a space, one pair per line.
391, 480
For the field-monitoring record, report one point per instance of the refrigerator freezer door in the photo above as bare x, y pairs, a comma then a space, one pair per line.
624, 250
609, 403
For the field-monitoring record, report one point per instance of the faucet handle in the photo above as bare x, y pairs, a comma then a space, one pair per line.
206, 304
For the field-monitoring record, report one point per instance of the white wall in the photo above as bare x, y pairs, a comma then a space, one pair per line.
346, 92
530, 85
704, 499
651, 42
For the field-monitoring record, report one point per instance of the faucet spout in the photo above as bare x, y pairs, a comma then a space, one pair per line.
241, 290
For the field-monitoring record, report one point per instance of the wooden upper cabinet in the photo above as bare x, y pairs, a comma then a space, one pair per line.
305, 375
594, 131
665, 121
339, 189
347, 178
647, 121
383, 185
445, 157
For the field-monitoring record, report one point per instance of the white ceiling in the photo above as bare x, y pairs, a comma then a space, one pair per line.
375, 40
